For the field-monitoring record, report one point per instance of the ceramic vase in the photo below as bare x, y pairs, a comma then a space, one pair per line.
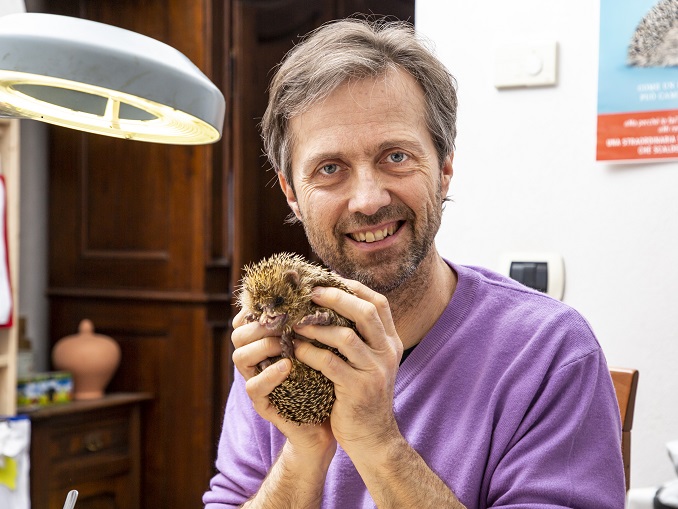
91, 358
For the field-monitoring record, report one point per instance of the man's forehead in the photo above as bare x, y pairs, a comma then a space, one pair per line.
395, 80
363, 101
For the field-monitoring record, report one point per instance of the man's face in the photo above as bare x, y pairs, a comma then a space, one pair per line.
368, 187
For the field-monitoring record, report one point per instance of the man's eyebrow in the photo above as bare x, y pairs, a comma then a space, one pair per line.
413, 145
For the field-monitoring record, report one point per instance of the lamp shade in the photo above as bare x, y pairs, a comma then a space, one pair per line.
106, 80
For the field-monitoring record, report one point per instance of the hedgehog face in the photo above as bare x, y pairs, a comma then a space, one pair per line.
273, 301
269, 309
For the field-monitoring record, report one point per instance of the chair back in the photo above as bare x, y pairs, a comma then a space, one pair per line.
625, 385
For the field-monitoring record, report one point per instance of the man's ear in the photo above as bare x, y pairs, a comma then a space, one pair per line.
446, 174
289, 194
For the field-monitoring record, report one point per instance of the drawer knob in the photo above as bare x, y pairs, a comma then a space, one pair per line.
94, 442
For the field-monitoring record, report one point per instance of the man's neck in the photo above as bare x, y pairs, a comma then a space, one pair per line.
418, 304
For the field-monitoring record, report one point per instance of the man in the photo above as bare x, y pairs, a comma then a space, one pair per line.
504, 398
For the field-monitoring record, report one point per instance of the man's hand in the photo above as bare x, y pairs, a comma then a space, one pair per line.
297, 478
362, 416
253, 344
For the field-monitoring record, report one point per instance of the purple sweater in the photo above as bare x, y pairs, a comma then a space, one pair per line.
508, 399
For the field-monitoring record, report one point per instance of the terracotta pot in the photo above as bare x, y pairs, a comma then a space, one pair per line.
91, 358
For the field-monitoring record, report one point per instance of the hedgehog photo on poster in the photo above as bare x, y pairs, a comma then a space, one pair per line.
655, 40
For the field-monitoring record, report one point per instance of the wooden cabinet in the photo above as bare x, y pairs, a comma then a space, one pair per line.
148, 240
90, 446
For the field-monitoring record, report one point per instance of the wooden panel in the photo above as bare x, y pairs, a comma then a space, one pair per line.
393, 9
126, 214
625, 382
137, 210
262, 33
625, 385
118, 191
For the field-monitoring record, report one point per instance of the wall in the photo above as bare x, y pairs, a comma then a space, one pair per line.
33, 231
33, 239
526, 180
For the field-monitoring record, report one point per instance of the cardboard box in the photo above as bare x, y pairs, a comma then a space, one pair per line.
42, 389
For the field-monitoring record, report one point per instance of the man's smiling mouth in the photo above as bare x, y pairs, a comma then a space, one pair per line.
375, 235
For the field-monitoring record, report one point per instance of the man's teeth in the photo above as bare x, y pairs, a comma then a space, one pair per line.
374, 235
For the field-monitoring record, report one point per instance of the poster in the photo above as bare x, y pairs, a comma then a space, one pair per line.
6, 304
638, 80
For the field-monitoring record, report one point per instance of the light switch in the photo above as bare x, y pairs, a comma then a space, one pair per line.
532, 274
544, 272
526, 64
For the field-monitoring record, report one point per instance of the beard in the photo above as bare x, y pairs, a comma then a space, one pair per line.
391, 268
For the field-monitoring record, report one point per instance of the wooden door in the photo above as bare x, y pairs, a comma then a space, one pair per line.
132, 248
148, 240
263, 31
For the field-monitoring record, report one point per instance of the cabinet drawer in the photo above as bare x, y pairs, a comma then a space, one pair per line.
87, 447
89, 439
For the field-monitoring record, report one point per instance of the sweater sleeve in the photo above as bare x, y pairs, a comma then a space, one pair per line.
565, 454
242, 452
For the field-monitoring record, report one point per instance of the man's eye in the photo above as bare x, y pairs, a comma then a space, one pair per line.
397, 157
329, 169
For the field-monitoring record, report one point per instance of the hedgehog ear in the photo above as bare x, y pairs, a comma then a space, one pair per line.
292, 278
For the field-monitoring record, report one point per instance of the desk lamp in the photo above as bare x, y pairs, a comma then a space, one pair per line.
106, 80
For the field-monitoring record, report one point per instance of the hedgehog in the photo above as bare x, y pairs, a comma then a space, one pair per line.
655, 40
277, 293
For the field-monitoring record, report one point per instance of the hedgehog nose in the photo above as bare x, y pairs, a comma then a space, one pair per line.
273, 320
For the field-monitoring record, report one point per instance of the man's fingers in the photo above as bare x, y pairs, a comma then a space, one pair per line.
262, 385
321, 359
343, 339
247, 357
249, 333
239, 319
368, 309
379, 301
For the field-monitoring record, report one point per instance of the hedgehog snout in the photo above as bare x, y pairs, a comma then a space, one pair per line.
273, 320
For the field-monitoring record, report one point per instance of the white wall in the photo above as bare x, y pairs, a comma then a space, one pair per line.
33, 247
526, 180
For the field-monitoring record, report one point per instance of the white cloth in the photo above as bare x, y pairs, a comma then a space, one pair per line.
15, 439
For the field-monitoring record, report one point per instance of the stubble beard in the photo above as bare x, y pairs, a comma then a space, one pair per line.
384, 276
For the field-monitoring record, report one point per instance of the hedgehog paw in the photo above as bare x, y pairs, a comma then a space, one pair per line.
317, 318
264, 364
286, 345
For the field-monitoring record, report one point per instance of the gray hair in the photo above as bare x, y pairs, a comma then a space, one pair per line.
355, 49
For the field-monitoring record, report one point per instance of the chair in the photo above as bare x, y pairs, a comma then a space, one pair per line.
625, 385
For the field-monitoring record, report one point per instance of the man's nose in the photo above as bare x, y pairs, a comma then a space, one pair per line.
368, 192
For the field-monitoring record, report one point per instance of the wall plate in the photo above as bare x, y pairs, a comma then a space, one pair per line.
555, 269
525, 64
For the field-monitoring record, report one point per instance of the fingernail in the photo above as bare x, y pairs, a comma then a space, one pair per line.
283, 366
318, 291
